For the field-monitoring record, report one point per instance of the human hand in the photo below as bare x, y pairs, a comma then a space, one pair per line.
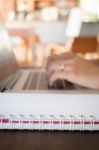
76, 70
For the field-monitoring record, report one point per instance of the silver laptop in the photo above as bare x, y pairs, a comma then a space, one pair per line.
14, 79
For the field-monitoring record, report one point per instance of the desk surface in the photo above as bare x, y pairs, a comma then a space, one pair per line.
26, 140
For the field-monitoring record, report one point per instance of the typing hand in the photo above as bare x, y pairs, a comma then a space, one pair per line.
76, 70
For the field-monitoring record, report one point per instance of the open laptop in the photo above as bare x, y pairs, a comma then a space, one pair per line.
14, 79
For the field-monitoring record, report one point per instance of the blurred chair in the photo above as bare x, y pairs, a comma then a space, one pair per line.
27, 36
84, 44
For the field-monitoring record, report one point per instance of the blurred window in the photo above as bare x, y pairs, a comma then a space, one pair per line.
91, 9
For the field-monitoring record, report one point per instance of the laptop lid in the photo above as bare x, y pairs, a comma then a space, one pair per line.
8, 63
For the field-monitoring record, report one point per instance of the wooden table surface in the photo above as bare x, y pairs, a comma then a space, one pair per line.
27, 140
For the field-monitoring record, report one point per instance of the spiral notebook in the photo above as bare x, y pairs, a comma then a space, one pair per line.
43, 111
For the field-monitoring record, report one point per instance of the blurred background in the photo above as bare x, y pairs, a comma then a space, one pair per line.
37, 29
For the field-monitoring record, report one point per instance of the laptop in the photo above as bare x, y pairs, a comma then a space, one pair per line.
14, 79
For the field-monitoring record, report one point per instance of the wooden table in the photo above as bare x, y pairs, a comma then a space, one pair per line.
27, 140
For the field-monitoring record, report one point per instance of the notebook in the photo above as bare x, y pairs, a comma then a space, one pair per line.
43, 111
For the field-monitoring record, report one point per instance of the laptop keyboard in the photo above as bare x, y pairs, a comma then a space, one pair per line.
34, 80
38, 81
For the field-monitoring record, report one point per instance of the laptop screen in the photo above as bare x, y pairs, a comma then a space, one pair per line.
7, 59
